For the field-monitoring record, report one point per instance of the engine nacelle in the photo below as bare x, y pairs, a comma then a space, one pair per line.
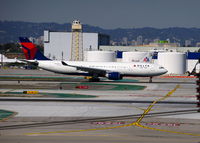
114, 76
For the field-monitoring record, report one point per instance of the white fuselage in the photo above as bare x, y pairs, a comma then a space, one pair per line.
125, 69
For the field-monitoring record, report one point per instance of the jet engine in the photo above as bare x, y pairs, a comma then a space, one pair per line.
114, 76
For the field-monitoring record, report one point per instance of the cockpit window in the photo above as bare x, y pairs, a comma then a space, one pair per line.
161, 67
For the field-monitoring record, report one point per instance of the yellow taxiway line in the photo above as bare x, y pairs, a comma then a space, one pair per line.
137, 123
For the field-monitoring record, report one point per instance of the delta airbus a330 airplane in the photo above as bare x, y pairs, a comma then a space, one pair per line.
110, 70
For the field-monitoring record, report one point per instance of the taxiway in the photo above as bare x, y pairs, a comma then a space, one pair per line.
162, 111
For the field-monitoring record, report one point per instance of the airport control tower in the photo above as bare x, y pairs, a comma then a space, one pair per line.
77, 41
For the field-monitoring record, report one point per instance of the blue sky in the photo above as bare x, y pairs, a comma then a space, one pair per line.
108, 14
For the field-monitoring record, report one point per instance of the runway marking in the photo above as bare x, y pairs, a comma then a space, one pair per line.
86, 135
163, 124
137, 123
177, 76
108, 123
162, 130
152, 104
82, 130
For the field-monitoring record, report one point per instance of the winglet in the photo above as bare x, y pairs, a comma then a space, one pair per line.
63, 63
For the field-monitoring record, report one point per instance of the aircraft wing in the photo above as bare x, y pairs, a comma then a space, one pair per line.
88, 69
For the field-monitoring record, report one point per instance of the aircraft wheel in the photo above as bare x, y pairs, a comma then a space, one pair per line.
94, 79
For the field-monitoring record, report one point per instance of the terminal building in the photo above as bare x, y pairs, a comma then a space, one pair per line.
71, 45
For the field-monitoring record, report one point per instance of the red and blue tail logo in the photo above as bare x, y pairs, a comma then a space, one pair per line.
30, 50
146, 59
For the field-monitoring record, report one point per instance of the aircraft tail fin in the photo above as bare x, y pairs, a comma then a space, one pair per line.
30, 50
147, 57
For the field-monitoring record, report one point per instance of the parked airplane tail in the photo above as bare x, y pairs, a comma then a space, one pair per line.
30, 50
147, 57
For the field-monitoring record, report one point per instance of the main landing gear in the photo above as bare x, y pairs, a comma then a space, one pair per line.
94, 79
150, 79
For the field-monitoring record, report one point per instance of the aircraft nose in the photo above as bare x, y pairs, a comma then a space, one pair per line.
165, 71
